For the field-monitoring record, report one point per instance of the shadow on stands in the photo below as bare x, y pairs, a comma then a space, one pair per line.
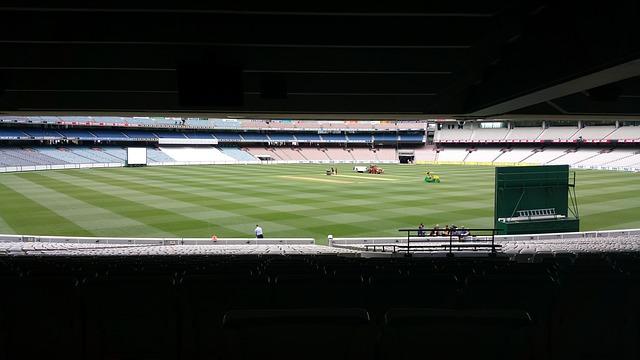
319, 307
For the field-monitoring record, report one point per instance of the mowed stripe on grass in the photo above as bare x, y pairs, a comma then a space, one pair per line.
287, 200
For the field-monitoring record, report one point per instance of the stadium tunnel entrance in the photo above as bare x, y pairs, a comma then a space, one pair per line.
406, 156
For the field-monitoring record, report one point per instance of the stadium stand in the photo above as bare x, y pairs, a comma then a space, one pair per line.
227, 136
276, 154
625, 133
96, 155
315, 154
77, 134
524, 133
281, 137
42, 133
360, 138
8, 133
109, 134
611, 157
445, 135
412, 138
171, 135
155, 155
515, 155
362, 154
339, 154
558, 133
385, 154
117, 152
427, 153
249, 136
308, 137
484, 155
199, 135
628, 161
334, 137
237, 154
382, 138
452, 154
286, 153
575, 156
543, 156
196, 154
9, 160
141, 135
593, 132
535, 134
489, 134
65, 155
256, 151
606, 157
290, 153
17, 157
362, 307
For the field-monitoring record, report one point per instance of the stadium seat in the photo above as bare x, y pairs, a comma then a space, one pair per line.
413, 333
333, 333
596, 313
42, 318
206, 297
392, 291
131, 316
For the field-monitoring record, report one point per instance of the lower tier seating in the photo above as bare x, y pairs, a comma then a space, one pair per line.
319, 307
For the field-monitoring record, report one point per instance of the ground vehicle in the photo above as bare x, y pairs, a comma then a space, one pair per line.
374, 169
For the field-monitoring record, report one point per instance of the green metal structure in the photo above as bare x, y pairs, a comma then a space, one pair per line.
535, 199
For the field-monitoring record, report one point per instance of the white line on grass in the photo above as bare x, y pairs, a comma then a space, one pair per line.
366, 177
315, 179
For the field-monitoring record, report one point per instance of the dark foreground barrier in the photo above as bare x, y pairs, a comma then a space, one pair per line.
318, 307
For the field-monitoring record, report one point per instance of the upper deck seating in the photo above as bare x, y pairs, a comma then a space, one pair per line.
333, 137
249, 136
524, 133
281, 137
237, 154
557, 133
227, 136
110, 134
170, 135
307, 137
385, 138
593, 132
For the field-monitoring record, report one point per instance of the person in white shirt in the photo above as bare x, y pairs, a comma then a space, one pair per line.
259, 234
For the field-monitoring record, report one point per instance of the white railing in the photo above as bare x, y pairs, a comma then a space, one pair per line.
498, 163
57, 167
603, 167
272, 162
184, 163
154, 241
550, 236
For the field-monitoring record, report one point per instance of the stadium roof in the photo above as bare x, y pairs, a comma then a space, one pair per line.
313, 59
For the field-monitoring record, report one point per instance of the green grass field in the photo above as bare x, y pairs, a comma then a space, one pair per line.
286, 200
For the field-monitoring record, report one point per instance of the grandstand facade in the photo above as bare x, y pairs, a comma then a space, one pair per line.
29, 142
607, 147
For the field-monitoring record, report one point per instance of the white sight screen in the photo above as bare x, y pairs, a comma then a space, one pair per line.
136, 156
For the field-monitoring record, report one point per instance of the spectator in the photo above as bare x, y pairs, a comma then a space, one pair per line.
435, 231
447, 231
259, 234
454, 231
463, 233
421, 230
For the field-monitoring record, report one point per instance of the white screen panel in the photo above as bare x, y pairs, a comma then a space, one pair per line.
136, 156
